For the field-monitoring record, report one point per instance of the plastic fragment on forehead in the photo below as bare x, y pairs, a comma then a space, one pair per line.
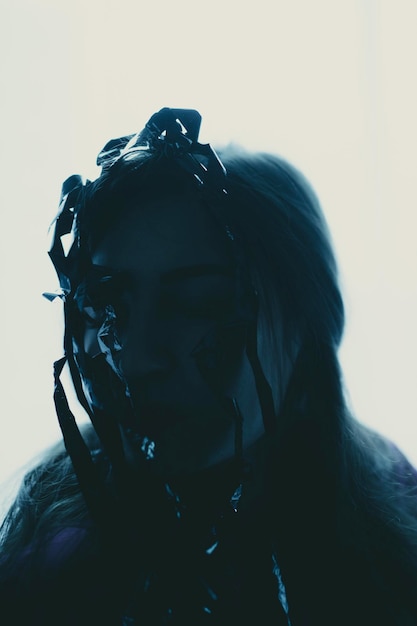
170, 121
178, 128
112, 150
174, 133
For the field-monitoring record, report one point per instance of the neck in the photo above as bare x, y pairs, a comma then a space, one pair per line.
233, 486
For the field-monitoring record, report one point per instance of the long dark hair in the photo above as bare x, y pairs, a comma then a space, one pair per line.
343, 512
345, 508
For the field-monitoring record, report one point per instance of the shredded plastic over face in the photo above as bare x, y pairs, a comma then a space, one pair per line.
108, 341
159, 596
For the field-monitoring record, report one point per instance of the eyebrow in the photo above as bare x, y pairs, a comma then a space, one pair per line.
194, 271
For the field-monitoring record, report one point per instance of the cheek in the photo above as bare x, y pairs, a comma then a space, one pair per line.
161, 347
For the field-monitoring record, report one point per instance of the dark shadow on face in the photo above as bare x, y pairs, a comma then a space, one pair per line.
175, 290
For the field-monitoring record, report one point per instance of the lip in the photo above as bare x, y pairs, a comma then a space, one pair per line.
154, 420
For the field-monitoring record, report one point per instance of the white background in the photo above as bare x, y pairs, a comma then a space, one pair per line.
328, 84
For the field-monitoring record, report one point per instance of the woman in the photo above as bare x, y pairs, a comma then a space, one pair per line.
223, 479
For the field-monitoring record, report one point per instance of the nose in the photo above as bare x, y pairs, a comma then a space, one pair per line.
145, 347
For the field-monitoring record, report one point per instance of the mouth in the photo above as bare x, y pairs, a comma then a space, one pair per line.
155, 420
179, 439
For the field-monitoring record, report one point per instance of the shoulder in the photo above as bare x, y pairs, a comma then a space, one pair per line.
62, 579
396, 463
49, 554
64, 545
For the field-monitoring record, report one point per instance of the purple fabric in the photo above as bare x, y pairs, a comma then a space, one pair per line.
57, 548
62, 545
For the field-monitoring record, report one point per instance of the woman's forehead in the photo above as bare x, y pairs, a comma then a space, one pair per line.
162, 233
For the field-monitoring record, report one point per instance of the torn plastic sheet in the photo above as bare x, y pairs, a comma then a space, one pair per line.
111, 347
204, 589
282, 593
109, 343
53, 295
174, 132
159, 589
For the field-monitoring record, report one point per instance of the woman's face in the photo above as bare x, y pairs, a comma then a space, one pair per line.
177, 286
